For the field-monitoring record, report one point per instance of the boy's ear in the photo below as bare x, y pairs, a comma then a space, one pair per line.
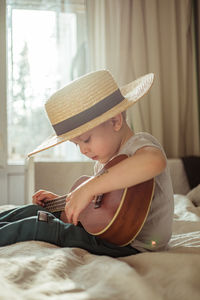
117, 121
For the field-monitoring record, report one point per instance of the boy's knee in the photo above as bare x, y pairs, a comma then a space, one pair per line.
33, 209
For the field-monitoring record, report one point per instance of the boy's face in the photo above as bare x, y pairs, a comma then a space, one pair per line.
100, 143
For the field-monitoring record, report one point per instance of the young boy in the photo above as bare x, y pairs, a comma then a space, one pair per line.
90, 113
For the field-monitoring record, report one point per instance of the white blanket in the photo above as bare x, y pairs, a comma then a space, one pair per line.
38, 270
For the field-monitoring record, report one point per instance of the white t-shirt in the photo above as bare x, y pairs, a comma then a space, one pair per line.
157, 229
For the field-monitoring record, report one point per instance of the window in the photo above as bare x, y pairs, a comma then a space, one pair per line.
47, 45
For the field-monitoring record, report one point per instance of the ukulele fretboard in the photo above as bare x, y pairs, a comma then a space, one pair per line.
55, 205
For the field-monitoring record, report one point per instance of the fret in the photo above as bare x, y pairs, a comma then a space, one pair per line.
55, 205
56, 199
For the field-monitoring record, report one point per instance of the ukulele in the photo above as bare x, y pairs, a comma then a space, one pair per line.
117, 216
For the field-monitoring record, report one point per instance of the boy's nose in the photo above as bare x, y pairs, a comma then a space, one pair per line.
84, 149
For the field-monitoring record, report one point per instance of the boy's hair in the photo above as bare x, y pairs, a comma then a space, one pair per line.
124, 115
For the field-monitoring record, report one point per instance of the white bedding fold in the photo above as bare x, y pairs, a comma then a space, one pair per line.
37, 270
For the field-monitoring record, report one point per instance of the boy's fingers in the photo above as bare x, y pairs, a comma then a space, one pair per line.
39, 197
42, 197
38, 193
69, 212
75, 220
45, 196
68, 197
36, 196
75, 217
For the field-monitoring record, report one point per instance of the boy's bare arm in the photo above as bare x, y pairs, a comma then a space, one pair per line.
145, 164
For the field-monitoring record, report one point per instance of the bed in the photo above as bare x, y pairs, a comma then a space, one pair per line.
38, 270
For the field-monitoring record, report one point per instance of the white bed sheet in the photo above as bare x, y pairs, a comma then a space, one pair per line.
38, 270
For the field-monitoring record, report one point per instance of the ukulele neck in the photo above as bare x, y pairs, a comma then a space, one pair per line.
55, 205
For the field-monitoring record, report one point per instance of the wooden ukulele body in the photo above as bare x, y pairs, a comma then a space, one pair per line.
121, 213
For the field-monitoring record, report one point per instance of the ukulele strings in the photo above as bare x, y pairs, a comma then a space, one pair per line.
57, 203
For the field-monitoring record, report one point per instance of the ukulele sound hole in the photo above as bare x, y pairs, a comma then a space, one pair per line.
98, 200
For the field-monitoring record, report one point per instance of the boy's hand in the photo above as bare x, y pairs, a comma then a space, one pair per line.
41, 196
77, 201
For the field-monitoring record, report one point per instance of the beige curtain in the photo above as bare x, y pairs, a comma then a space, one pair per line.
131, 38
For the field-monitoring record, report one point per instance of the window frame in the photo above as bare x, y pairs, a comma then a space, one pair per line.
12, 175
3, 86
77, 7
3, 105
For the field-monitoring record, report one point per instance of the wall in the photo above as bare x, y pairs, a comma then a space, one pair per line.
12, 186
59, 177
18, 183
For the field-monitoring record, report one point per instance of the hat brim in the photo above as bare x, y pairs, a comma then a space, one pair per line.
131, 92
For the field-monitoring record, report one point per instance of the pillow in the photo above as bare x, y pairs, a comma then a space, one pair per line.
178, 176
194, 195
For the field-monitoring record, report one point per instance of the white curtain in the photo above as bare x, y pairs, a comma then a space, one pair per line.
135, 37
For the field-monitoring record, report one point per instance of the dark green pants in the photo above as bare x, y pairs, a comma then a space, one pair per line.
32, 222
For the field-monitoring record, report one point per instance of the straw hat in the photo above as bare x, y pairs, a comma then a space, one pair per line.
87, 102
